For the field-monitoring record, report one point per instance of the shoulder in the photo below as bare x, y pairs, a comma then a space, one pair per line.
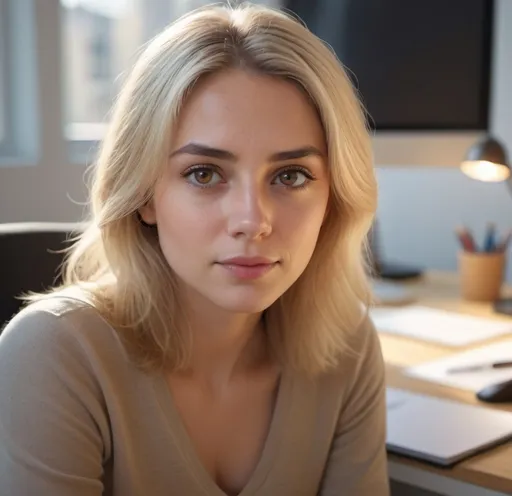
59, 325
362, 350
58, 353
360, 368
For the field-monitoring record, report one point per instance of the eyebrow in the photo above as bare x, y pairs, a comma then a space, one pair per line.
207, 151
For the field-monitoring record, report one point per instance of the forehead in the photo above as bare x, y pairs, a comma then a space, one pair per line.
239, 108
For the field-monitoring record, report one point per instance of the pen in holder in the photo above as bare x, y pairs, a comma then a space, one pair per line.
482, 270
481, 275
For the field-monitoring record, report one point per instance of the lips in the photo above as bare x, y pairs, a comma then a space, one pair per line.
248, 261
248, 267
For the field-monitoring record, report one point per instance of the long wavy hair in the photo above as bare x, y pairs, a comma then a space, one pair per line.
117, 260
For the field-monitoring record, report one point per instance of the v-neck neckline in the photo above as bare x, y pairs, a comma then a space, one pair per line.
189, 453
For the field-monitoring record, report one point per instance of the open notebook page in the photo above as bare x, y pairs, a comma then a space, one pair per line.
439, 370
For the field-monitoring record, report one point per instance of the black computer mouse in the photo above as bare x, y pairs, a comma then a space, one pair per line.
496, 393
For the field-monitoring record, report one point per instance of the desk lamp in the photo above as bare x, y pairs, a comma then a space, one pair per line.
487, 161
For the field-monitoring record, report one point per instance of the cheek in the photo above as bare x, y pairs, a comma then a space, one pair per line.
299, 230
304, 217
183, 222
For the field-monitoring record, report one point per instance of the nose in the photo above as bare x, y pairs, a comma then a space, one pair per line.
250, 213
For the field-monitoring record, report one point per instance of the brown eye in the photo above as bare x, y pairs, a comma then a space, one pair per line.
203, 177
292, 178
289, 178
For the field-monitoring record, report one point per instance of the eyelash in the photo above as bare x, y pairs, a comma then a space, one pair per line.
294, 168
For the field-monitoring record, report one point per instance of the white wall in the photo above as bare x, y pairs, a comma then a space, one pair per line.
419, 206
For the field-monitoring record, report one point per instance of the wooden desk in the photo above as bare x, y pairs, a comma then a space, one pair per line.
487, 474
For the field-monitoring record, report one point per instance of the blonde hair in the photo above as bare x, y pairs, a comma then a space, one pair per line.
309, 325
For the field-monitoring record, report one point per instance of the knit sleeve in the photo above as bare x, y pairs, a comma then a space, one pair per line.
357, 463
52, 420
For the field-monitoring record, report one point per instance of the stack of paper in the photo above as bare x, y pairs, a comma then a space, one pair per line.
440, 371
438, 326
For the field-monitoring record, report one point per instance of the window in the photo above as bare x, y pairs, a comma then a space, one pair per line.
101, 40
18, 101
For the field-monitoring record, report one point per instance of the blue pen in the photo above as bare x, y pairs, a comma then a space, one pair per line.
490, 238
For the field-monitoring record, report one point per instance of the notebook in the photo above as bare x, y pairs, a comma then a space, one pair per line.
441, 431
438, 370
439, 326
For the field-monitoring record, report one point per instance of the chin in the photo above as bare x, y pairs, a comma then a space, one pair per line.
244, 302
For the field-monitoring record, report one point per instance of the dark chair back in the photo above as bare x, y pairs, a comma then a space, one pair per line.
30, 258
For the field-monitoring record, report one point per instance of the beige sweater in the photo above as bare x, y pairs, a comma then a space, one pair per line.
78, 419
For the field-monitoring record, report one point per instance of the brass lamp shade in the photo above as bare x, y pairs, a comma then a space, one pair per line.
487, 160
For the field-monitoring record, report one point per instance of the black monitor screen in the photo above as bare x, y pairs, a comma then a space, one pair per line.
419, 65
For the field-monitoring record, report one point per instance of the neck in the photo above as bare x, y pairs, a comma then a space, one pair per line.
225, 345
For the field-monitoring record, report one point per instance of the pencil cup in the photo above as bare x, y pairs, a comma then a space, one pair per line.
481, 275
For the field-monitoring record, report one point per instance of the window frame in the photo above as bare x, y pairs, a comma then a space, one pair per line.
5, 138
18, 59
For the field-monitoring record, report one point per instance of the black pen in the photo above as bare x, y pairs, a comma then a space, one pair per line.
479, 367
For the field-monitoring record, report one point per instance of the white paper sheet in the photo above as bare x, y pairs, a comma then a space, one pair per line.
439, 326
437, 371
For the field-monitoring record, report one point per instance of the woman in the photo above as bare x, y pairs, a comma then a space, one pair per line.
211, 336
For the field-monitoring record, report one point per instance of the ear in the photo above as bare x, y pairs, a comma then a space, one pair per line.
148, 214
